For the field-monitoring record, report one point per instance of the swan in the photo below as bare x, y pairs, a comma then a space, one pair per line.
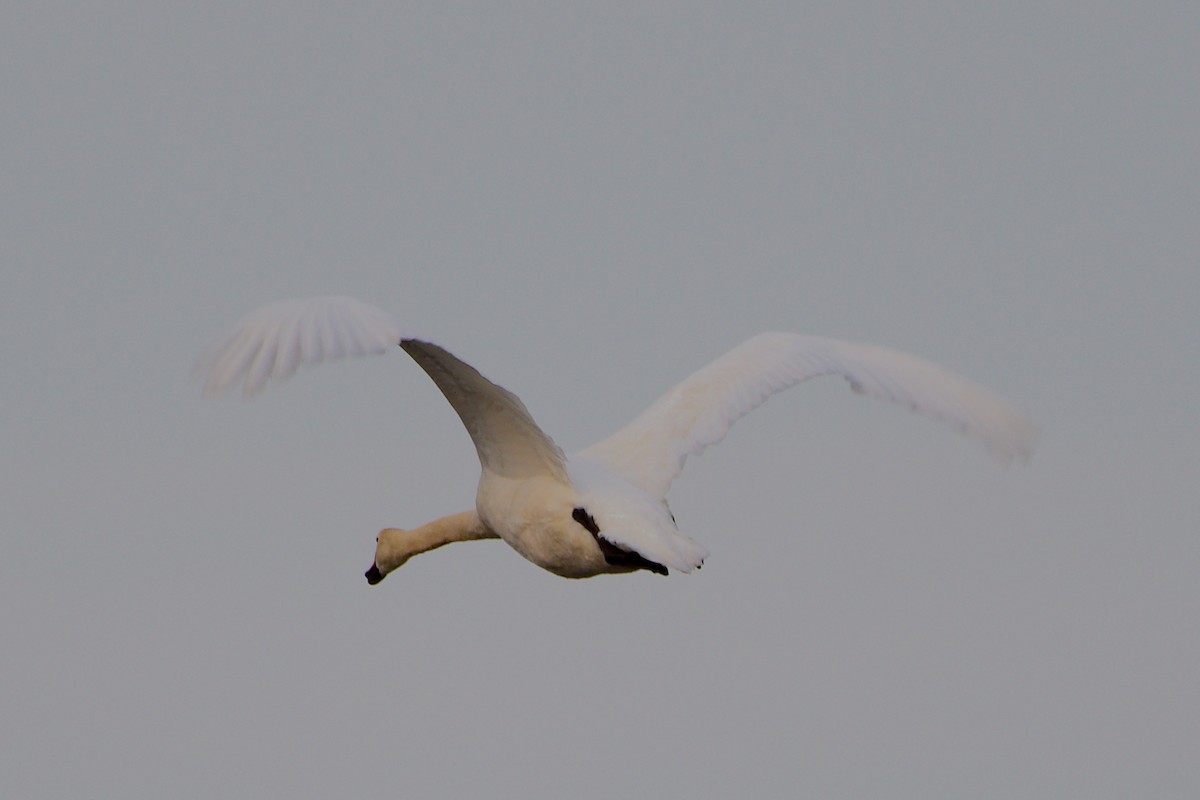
603, 509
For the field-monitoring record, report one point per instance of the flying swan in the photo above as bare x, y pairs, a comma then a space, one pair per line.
604, 508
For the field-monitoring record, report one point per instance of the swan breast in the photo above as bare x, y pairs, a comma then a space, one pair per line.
535, 516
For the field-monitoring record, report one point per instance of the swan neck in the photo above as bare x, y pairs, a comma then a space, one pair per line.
396, 545
461, 527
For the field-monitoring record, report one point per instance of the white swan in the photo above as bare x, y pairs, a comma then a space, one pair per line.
603, 509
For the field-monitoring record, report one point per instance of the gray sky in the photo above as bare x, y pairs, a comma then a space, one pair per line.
587, 203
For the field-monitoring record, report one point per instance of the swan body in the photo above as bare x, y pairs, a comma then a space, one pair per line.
604, 509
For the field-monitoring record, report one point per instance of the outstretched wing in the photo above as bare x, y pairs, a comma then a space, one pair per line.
275, 340
651, 450
507, 439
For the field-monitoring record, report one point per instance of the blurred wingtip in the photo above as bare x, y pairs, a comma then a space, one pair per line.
272, 342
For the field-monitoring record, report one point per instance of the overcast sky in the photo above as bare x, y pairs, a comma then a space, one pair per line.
588, 202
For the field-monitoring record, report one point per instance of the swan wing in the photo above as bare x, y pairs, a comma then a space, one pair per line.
509, 442
651, 450
274, 341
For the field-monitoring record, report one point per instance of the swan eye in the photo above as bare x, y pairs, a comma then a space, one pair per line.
376, 540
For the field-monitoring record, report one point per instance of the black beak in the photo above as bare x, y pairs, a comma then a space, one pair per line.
374, 576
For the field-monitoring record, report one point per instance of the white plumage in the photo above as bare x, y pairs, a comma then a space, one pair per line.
604, 508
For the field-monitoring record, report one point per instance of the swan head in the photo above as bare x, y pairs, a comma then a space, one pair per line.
392, 549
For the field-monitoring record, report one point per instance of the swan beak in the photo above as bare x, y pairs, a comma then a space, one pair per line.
374, 576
